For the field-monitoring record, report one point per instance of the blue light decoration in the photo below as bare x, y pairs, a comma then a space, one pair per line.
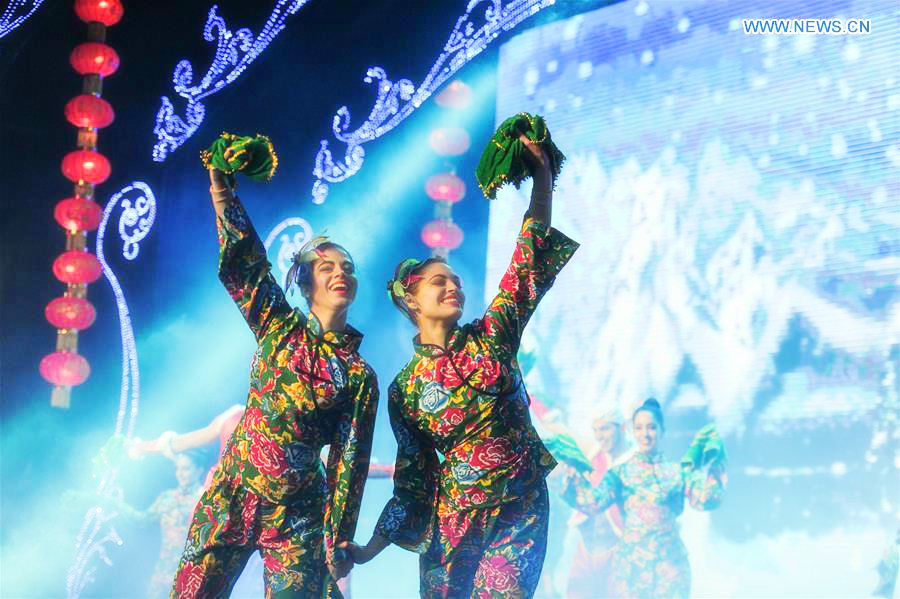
397, 100
234, 53
289, 244
138, 214
16, 13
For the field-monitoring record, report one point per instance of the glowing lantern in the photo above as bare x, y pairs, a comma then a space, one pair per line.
93, 58
65, 368
108, 12
86, 165
442, 234
449, 141
78, 214
76, 266
70, 313
445, 187
457, 95
89, 111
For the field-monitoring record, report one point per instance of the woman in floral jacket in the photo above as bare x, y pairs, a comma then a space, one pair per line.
479, 517
309, 387
651, 560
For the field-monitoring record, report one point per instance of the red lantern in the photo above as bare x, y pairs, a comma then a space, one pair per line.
65, 368
108, 12
457, 95
88, 110
77, 266
70, 313
449, 141
78, 214
86, 165
92, 58
445, 187
442, 234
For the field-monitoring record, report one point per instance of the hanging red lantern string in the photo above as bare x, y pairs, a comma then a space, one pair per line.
78, 214
442, 234
108, 12
445, 187
65, 368
87, 110
449, 141
77, 266
86, 166
93, 58
70, 313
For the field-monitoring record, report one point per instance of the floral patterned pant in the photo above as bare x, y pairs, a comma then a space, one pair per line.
230, 523
488, 552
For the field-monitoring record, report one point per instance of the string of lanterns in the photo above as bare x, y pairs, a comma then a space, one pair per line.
86, 168
441, 234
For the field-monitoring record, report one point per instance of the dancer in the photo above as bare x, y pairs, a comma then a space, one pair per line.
309, 387
651, 560
479, 518
595, 538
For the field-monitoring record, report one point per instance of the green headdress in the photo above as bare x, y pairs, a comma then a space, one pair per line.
503, 162
253, 156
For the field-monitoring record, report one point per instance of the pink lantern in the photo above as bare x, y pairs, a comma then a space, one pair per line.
65, 368
108, 12
449, 141
88, 110
70, 313
76, 266
442, 234
78, 214
445, 187
93, 58
457, 95
87, 166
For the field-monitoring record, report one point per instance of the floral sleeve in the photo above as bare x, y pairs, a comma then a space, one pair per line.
407, 517
348, 464
579, 494
541, 252
704, 487
246, 272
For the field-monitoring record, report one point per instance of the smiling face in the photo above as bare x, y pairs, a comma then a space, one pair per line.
334, 281
608, 435
186, 472
647, 431
438, 294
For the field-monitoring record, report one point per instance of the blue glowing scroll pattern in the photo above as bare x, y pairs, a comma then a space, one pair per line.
234, 53
16, 13
395, 100
138, 206
292, 234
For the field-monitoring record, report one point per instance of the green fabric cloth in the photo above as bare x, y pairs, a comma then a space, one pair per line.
503, 162
565, 449
706, 449
253, 156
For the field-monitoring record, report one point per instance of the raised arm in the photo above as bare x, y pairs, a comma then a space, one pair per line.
348, 465
243, 266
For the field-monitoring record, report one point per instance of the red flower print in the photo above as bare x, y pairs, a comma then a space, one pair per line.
499, 574
453, 530
450, 368
452, 418
267, 456
491, 454
254, 420
476, 496
190, 577
490, 372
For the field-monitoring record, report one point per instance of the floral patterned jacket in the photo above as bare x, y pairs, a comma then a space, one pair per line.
307, 389
468, 403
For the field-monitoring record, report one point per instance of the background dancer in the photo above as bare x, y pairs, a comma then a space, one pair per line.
651, 560
479, 519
